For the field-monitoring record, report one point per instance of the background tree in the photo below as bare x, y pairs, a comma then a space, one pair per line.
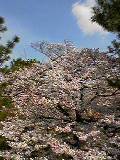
107, 14
5, 100
6, 49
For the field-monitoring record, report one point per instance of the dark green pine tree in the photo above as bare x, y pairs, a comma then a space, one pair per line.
107, 14
6, 50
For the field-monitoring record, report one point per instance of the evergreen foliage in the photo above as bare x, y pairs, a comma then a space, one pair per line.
107, 14
6, 102
6, 49
20, 63
114, 83
3, 143
17, 64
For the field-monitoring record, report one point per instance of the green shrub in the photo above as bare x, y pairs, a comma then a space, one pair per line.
1, 158
6, 101
3, 143
3, 115
5, 70
114, 83
3, 87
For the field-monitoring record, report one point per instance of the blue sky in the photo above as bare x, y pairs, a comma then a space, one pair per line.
51, 20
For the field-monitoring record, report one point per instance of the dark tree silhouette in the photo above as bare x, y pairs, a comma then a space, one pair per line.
107, 14
6, 50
